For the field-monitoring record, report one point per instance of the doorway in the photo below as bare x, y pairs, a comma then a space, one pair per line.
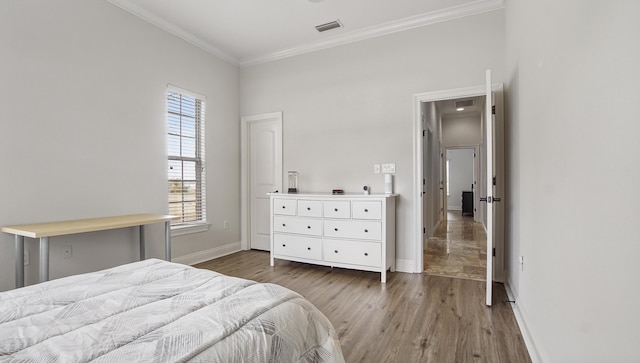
427, 114
261, 174
460, 177
457, 248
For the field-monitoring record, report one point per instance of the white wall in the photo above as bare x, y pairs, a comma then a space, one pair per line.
82, 129
462, 130
460, 176
350, 107
573, 158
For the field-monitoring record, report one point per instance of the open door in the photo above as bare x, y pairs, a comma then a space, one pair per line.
489, 122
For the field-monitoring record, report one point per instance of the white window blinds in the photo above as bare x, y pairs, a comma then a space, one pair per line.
185, 139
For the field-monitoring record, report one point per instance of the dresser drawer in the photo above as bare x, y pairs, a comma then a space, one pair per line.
353, 252
307, 226
310, 208
284, 206
353, 229
297, 246
366, 210
337, 209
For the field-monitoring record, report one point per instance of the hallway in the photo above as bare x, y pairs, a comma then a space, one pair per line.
457, 249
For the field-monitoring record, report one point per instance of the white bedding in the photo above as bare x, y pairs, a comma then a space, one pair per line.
156, 311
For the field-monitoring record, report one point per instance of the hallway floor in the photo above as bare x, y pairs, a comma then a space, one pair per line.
458, 248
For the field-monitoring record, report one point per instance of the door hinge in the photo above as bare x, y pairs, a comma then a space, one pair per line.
424, 133
493, 109
494, 252
494, 180
424, 181
424, 230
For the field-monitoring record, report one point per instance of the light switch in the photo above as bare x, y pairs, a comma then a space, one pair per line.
389, 168
376, 168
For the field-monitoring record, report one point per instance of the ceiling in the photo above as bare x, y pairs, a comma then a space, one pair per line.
448, 108
247, 32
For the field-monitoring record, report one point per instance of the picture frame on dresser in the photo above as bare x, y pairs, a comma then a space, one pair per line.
354, 231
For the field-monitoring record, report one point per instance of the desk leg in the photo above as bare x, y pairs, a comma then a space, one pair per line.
167, 240
44, 259
19, 261
142, 242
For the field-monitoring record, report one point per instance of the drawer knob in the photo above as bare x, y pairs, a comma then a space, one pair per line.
309, 248
308, 227
366, 210
308, 208
336, 251
335, 229
283, 245
284, 225
283, 207
366, 231
335, 209
366, 254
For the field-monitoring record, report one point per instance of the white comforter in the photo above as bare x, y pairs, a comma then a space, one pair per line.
156, 311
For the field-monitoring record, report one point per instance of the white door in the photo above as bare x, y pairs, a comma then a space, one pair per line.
264, 134
489, 184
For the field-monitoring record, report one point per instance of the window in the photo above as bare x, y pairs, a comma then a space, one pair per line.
185, 139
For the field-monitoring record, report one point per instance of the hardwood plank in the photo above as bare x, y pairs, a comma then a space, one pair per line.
411, 318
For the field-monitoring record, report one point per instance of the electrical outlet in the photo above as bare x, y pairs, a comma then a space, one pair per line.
67, 251
226, 224
376, 168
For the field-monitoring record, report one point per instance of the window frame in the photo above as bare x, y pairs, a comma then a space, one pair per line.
180, 227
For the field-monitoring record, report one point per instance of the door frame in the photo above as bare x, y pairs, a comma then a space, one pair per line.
418, 99
476, 172
245, 192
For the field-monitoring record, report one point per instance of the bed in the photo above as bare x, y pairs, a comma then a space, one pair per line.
158, 311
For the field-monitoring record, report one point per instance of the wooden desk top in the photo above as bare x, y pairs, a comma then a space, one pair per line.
85, 225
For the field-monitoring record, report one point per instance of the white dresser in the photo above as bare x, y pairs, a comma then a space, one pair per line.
354, 231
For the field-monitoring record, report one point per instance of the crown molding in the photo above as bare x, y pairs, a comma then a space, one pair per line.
420, 20
128, 6
438, 16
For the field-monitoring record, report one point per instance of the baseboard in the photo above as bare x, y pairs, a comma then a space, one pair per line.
526, 335
405, 266
206, 255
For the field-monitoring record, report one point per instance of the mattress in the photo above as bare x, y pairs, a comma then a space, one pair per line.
157, 311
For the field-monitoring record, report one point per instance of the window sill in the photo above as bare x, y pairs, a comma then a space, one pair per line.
189, 229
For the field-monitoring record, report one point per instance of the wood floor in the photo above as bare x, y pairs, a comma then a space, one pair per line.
411, 318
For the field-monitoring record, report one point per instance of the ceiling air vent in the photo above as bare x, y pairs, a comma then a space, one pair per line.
463, 103
328, 26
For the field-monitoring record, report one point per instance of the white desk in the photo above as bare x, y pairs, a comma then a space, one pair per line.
46, 230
